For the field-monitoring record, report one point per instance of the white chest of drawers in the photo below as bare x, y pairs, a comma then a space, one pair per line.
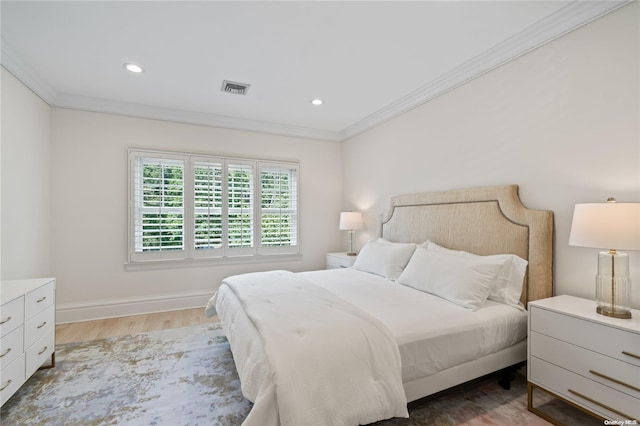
27, 330
586, 359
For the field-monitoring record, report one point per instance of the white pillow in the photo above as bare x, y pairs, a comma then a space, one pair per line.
384, 258
463, 280
507, 285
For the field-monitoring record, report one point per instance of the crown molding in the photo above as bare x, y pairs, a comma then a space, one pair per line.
565, 20
13, 63
84, 103
569, 18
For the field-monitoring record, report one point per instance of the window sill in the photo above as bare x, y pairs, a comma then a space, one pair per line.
194, 263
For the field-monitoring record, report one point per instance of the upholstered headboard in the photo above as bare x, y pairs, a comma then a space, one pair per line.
485, 221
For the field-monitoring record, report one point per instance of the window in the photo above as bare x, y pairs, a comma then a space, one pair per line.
188, 206
240, 204
159, 213
207, 182
278, 206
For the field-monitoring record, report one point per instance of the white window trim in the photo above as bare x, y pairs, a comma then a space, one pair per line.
189, 256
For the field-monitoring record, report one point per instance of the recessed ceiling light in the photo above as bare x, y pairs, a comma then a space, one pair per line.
133, 68
317, 102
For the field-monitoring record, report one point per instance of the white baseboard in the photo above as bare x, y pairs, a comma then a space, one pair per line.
129, 306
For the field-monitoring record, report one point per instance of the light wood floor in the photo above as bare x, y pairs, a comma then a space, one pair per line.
122, 326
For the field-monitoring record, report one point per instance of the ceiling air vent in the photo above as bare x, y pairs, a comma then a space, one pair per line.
235, 87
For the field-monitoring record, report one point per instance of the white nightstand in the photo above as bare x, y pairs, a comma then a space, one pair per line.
339, 260
583, 358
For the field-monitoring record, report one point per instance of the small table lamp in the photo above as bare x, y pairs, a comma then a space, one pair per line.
350, 221
614, 226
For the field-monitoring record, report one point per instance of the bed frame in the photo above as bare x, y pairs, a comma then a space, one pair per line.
485, 221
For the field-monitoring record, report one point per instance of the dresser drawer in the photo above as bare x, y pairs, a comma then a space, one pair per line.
610, 341
11, 315
39, 326
12, 378
11, 346
593, 396
40, 352
611, 372
39, 299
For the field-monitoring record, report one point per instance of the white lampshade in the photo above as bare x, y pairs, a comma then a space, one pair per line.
613, 226
350, 221
606, 226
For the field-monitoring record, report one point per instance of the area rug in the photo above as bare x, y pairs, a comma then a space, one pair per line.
186, 376
183, 376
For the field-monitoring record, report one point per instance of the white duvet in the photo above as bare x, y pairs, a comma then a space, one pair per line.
323, 360
431, 333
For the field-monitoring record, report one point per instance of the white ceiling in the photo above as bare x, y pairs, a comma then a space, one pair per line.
368, 61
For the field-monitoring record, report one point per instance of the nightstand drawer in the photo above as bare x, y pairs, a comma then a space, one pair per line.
619, 375
11, 315
11, 346
340, 260
610, 341
598, 398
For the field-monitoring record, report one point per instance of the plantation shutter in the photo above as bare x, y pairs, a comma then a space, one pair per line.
185, 207
159, 207
278, 208
240, 208
207, 186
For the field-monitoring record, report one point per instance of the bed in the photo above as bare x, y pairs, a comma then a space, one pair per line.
366, 340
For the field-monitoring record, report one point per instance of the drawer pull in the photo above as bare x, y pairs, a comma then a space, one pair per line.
42, 325
42, 299
604, 376
606, 407
5, 352
5, 321
5, 386
44, 350
630, 354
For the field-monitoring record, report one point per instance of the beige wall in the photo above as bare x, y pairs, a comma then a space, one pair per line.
89, 209
25, 182
561, 121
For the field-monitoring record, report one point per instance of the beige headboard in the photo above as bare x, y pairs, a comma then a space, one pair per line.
485, 221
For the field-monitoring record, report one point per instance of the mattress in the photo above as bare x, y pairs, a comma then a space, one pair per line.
432, 334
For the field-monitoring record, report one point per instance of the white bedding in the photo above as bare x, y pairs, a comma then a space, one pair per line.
327, 362
432, 334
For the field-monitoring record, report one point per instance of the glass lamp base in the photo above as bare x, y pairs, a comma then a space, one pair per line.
613, 286
615, 313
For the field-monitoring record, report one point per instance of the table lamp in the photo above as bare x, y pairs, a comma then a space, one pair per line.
613, 226
350, 221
